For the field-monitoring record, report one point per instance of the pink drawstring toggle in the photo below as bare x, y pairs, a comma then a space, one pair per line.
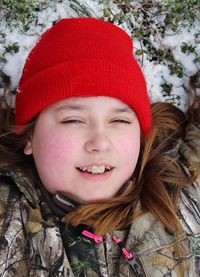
117, 240
127, 255
97, 239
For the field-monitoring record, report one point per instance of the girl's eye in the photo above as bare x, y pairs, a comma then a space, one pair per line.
72, 121
121, 121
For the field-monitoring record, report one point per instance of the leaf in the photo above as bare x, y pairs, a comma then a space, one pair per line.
139, 52
106, 12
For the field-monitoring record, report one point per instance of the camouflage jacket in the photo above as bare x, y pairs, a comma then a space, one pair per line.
33, 242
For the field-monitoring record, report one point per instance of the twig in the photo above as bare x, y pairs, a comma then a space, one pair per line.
142, 52
9, 11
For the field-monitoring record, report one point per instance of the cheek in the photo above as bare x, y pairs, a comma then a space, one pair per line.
52, 150
129, 149
54, 155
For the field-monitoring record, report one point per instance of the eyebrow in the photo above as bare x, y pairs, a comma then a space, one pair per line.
83, 107
122, 110
71, 107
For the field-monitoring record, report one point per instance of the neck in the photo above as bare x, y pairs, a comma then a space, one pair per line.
59, 203
64, 202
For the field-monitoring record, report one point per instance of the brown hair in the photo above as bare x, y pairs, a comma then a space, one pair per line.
12, 145
157, 180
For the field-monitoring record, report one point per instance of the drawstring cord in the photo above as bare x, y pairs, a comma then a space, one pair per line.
99, 239
131, 259
127, 255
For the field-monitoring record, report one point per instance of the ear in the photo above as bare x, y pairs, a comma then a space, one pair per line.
28, 147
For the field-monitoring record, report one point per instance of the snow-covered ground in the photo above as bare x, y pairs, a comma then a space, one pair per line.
155, 73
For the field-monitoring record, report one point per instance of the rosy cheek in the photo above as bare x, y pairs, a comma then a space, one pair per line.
129, 150
60, 148
53, 155
130, 143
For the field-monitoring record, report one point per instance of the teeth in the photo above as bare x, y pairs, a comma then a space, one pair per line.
95, 169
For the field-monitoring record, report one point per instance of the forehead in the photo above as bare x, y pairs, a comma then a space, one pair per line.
87, 103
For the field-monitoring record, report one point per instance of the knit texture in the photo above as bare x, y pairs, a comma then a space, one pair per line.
82, 57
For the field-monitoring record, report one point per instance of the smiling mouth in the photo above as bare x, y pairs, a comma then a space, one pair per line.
95, 170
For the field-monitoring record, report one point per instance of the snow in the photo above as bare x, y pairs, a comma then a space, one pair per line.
174, 41
155, 73
14, 65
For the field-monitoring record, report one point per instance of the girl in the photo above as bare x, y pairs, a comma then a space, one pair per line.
94, 181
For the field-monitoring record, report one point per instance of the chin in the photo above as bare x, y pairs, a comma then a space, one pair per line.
97, 198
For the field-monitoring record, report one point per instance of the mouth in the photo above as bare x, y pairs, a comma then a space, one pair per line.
95, 170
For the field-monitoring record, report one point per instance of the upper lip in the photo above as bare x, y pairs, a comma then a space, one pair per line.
97, 164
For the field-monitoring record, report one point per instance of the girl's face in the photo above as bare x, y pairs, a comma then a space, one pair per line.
78, 135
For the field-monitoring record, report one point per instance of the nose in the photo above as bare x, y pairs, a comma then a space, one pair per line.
98, 142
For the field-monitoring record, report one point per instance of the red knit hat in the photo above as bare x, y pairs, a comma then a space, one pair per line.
81, 57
